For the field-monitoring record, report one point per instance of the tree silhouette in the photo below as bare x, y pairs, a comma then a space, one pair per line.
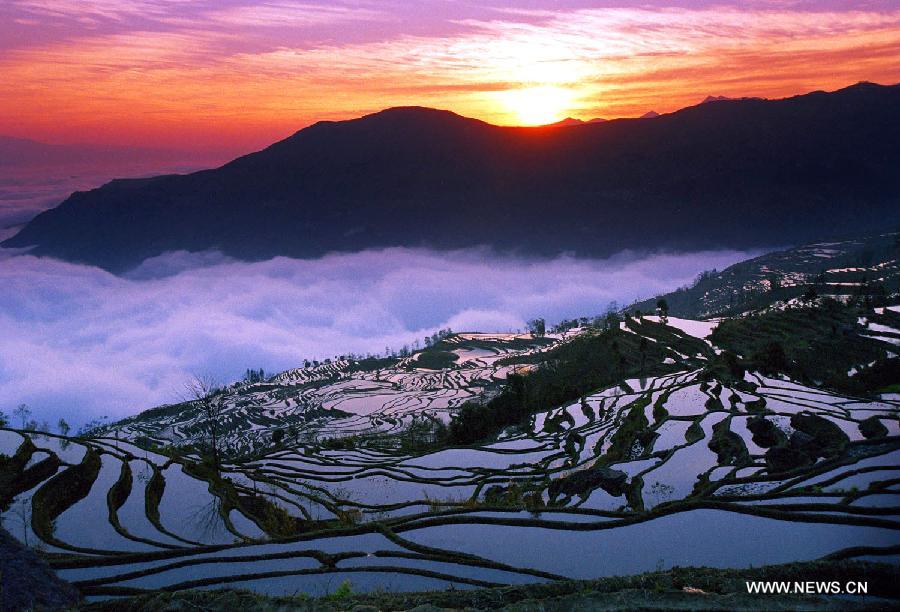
662, 309
23, 412
537, 327
204, 392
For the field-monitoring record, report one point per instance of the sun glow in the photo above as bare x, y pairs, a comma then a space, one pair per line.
537, 105
79, 70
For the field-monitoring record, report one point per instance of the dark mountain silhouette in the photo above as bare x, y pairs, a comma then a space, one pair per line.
650, 115
735, 173
708, 99
568, 121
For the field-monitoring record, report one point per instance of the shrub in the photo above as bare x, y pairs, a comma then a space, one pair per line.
765, 433
872, 427
770, 358
344, 590
432, 359
728, 446
693, 433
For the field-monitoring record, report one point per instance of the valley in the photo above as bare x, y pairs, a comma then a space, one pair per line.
449, 306
365, 482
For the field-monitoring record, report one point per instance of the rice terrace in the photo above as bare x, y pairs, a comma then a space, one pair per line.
427, 306
666, 449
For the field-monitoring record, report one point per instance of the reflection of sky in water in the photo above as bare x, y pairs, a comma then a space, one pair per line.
70, 527
696, 538
190, 511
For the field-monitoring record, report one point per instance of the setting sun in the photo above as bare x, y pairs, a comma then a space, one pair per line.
537, 105
365, 304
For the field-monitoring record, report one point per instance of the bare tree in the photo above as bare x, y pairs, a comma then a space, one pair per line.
63, 427
20, 512
204, 392
23, 412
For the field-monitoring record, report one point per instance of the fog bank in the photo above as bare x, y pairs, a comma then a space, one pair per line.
78, 342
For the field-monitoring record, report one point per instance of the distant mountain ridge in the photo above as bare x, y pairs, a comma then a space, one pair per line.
24, 151
571, 121
736, 174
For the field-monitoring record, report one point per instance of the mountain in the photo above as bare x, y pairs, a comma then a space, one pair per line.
860, 268
708, 99
650, 115
571, 121
568, 121
741, 173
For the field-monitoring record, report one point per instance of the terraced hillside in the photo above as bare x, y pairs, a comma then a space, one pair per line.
695, 463
343, 397
862, 268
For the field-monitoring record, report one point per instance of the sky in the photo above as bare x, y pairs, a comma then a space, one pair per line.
235, 75
224, 77
80, 343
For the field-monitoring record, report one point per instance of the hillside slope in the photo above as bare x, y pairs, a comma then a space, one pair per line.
733, 173
864, 269
671, 468
617, 448
27, 583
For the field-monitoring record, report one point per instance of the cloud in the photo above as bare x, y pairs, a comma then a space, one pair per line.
30, 188
298, 62
290, 14
78, 342
105, 9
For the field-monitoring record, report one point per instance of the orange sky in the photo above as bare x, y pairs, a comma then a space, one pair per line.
236, 75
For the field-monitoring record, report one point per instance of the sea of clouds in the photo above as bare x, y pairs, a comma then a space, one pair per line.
79, 342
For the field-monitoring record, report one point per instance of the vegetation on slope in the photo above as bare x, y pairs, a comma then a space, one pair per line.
435, 359
817, 345
588, 362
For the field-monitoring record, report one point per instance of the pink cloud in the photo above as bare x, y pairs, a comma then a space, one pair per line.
252, 71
